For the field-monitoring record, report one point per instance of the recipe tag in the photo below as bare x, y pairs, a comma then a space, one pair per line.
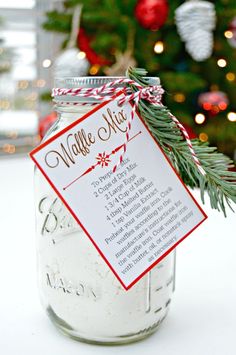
135, 216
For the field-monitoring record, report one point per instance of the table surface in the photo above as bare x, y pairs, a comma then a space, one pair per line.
202, 317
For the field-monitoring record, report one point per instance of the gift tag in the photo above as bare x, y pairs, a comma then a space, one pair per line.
134, 216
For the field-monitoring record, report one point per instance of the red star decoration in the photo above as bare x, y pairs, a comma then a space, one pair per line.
103, 159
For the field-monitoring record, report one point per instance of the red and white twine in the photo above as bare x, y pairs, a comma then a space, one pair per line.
108, 91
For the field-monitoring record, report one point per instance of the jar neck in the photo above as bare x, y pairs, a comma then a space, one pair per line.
70, 113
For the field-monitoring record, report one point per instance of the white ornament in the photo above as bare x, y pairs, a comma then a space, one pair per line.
71, 62
195, 22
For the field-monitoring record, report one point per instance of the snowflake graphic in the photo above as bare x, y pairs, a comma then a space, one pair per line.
103, 159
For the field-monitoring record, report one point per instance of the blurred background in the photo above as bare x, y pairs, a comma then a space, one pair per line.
190, 45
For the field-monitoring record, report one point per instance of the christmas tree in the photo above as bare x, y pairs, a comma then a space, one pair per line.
190, 46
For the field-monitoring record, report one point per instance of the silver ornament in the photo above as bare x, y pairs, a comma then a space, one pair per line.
71, 62
195, 22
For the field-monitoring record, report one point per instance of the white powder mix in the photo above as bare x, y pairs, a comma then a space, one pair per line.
78, 288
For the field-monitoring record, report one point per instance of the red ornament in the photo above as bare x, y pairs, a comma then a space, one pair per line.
232, 28
190, 131
214, 101
83, 42
151, 14
46, 122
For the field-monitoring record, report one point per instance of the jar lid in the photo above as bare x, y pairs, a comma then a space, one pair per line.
89, 82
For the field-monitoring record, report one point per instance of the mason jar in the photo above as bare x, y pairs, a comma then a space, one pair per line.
79, 292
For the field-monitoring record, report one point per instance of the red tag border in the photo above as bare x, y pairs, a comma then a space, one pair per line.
79, 120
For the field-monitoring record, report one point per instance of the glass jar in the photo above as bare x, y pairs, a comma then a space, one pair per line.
81, 295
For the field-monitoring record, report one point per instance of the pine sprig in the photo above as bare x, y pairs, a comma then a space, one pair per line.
219, 182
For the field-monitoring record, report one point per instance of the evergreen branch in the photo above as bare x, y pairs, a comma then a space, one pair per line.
219, 182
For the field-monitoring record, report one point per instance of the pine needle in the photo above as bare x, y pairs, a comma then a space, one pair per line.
219, 182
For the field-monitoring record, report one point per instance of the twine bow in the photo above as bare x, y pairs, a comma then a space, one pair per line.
152, 94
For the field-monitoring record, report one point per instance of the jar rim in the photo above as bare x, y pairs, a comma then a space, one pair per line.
94, 81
